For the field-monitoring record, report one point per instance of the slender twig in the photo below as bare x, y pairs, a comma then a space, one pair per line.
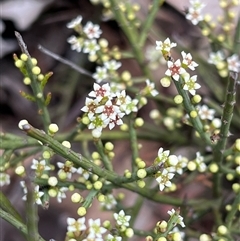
64, 61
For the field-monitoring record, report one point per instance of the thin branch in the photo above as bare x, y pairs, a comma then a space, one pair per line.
64, 61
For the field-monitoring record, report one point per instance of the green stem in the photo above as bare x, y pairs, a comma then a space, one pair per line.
118, 181
105, 160
224, 131
31, 212
148, 22
196, 122
16, 223
133, 142
233, 212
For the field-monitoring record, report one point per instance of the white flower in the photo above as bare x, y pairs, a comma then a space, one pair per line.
4, 179
180, 218
75, 22
112, 65
109, 202
76, 43
76, 225
190, 83
205, 113
233, 63
194, 15
150, 88
216, 58
40, 166
37, 195
113, 238
122, 219
200, 162
90, 107
91, 46
187, 60
95, 229
164, 179
165, 46
92, 31
61, 194
175, 69
100, 74
163, 155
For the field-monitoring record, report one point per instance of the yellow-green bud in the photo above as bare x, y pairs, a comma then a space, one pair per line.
97, 185
19, 63
53, 128
46, 154
236, 187
213, 168
143, 101
76, 197
66, 144
222, 230
34, 61
141, 164
96, 133
230, 176
205, 237
228, 207
36, 70
27, 81
129, 232
81, 211
127, 174
20, 170
162, 239
71, 188
95, 155
40, 77
23, 57
22, 123
237, 144
238, 170
62, 175
92, 57
196, 99
165, 82
52, 181
131, 16
163, 226
178, 99
237, 160
139, 122
149, 238
109, 146
154, 114
141, 173
106, 224
124, 127
101, 198
52, 192
103, 43
193, 114
89, 185
126, 76
176, 236
111, 154
141, 183
191, 166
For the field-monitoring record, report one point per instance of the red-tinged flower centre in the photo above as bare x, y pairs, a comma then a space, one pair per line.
100, 92
175, 69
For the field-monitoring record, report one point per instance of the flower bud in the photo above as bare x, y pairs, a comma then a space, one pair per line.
76, 197
81, 211
97, 185
52, 181
66, 144
53, 128
141, 173
36, 70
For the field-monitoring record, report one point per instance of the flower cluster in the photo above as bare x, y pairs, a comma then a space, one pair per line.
194, 11
106, 108
168, 166
231, 63
177, 69
88, 35
95, 231
37, 193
